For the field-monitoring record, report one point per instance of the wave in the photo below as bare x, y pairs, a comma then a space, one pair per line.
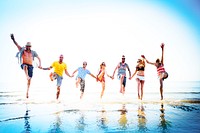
15, 118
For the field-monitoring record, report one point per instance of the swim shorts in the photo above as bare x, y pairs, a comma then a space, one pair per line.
30, 69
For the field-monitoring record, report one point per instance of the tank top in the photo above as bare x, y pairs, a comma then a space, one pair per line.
160, 69
122, 69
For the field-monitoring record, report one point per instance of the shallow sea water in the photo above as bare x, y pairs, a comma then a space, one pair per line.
179, 112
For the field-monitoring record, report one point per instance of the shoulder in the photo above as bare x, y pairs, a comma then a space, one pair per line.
55, 62
64, 65
79, 68
88, 71
34, 53
119, 64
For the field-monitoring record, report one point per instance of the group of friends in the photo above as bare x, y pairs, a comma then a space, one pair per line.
26, 56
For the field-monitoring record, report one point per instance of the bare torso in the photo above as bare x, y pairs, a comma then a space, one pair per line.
27, 57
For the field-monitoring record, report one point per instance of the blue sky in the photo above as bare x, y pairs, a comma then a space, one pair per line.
98, 31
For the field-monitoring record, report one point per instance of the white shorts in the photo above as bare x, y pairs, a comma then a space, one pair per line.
140, 77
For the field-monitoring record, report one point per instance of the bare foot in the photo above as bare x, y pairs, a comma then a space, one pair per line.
161, 98
27, 95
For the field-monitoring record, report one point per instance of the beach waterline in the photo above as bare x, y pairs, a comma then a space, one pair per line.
178, 112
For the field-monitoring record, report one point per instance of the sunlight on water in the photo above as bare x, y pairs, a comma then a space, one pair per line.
113, 113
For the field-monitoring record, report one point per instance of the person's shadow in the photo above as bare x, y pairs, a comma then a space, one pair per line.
123, 119
164, 124
141, 118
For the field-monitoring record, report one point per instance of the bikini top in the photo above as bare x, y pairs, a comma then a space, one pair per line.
140, 68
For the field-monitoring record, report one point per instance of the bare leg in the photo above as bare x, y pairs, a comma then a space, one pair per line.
121, 85
81, 96
26, 72
138, 87
161, 89
142, 85
58, 92
28, 86
78, 82
103, 88
123, 89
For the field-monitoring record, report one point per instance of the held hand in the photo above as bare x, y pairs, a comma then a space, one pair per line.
40, 67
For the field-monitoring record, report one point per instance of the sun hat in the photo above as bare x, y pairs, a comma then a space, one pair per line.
28, 44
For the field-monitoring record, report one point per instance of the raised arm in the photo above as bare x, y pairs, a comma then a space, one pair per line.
162, 57
150, 62
13, 38
144, 58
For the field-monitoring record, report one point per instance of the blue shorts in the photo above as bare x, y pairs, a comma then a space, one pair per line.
59, 80
30, 69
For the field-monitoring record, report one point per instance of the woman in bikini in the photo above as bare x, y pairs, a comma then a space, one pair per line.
101, 77
162, 74
139, 77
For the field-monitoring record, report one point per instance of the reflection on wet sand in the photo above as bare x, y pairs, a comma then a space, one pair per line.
123, 119
103, 121
164, 124
56, 126
27, 126
141, 118
80, 123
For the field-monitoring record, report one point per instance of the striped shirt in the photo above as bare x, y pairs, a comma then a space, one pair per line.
160, 69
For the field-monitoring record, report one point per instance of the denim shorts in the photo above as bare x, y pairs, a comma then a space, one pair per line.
30, 69
59, 80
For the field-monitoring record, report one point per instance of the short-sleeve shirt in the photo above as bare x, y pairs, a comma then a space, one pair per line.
59, 68
82, 72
